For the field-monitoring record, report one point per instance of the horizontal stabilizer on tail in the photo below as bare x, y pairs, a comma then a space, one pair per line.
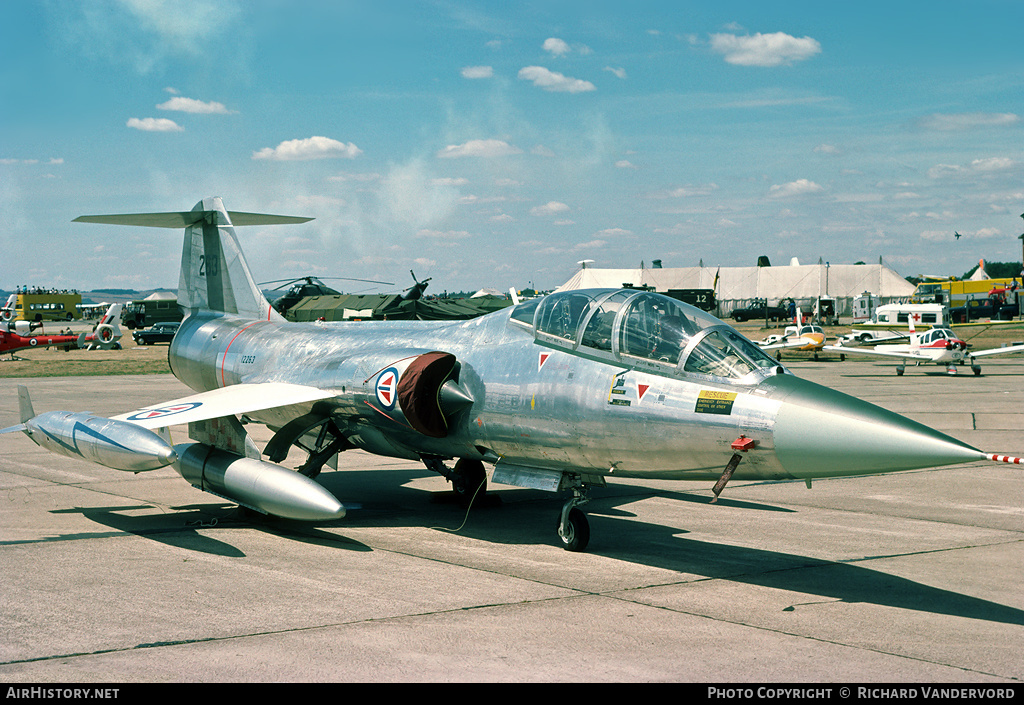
183, 219
214, 275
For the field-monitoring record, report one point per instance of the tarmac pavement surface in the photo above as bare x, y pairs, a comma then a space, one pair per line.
911, 577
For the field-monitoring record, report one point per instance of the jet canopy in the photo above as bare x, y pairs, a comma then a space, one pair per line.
643, 330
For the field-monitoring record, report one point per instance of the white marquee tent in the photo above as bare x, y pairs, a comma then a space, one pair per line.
737, 286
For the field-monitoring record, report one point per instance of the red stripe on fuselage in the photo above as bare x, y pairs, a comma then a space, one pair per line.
224, 359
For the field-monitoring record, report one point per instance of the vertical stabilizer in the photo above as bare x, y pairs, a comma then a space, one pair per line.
25, 404
214, 275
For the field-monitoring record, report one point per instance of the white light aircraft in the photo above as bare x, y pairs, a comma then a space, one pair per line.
940, 346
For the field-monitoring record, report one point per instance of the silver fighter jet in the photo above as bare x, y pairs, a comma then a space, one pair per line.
557, 393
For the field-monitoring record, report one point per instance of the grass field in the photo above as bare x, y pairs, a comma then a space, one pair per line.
132, 360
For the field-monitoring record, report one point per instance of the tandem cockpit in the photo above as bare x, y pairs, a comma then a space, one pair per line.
646, 331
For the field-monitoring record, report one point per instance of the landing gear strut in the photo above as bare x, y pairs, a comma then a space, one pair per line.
329, 442
573, 527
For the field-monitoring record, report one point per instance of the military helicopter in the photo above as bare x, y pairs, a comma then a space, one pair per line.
302, 287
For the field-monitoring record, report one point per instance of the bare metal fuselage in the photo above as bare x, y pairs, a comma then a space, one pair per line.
533, 406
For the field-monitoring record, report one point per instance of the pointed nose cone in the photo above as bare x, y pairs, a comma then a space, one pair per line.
454, 397
820, 432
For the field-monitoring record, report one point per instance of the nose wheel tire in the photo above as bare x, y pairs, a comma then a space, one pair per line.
574, 531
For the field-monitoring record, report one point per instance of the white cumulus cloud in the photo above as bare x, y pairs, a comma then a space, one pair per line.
992, 164
556, 46
800, 187
477, 72
190, 105
953, 122
554, 81
549, 208
774, 49
154, 125
479, 148
940, 171
310, 148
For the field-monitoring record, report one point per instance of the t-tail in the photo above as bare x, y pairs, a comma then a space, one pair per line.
214, 275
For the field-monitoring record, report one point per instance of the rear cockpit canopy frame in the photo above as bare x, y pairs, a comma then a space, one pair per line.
645, 331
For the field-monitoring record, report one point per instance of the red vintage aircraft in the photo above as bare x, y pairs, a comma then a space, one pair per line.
13, 336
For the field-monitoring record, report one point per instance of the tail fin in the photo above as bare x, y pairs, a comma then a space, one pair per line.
106, 333
214, 275
112, 316
25, 409
25, 404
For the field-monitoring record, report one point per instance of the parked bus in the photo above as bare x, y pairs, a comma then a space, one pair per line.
43, 306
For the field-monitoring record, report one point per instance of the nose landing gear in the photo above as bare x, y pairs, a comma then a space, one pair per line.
573, 526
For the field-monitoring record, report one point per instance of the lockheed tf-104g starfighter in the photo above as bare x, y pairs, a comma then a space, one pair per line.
557, 393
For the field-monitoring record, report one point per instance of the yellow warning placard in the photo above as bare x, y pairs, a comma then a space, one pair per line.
712, 402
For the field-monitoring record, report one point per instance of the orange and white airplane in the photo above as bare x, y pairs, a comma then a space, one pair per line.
940, 346
798, 337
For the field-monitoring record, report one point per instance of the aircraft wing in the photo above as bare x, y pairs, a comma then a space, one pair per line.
888, 338
226, 401
849, 350
999, 351
797, 343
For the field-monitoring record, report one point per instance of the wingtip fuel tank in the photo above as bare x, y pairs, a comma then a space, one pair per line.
113, 444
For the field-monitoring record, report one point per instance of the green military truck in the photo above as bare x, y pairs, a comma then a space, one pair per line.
147, 312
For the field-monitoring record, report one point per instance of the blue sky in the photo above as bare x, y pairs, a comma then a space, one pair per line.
498, 144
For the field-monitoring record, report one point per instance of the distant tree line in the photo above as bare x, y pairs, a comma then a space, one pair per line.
996, 270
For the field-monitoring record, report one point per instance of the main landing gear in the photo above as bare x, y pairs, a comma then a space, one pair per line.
468, 477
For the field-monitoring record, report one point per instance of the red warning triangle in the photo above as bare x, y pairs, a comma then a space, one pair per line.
543, 358
641, 389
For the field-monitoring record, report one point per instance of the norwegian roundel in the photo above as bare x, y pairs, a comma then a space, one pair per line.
150, 414
387, 387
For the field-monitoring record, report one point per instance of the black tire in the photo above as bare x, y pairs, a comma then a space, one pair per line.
579, 532
469, 480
